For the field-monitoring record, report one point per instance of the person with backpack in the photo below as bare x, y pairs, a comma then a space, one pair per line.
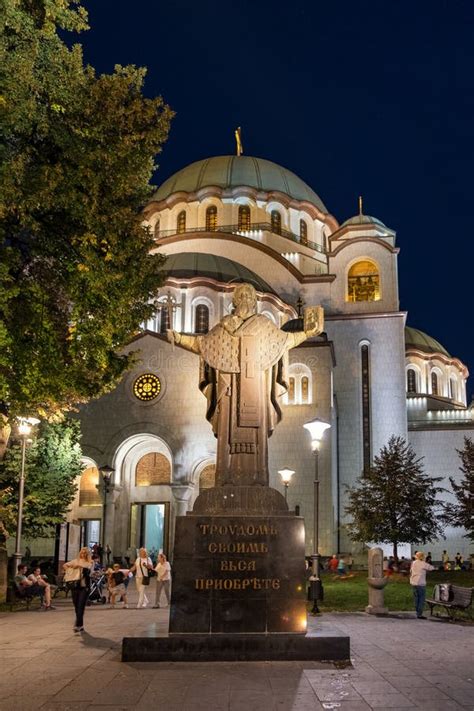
117, 578
418, 570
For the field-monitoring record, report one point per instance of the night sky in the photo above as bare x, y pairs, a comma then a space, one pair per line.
367, 97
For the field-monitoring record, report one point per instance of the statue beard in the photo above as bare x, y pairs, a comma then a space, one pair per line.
244, 312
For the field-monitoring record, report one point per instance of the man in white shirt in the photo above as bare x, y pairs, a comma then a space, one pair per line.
418, 572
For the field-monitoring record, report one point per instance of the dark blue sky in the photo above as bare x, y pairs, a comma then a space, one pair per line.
367, 97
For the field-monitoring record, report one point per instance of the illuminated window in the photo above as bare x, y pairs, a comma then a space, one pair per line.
211, 218
153, 469
244, 218
147, 387
304, 389
411, 381
88, 492
434, 383
291, 391
275, 218
181, 222
156, 230
366, 415
303, 232
452, 389
201, 319
207, 478
363, 282
165, 322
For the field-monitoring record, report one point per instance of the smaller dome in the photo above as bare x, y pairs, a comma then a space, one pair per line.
422, 342
363, 220
187, 265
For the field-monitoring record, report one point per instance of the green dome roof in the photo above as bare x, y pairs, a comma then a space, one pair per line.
422, 342
193, 264
363, 220
238, 171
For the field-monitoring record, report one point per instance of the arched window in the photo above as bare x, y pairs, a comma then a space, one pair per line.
363, 282
164, 318
211, 218
244, 218
181, 222
201, 319
275, 218
156, 229
89, 494
411, 381
207, 478
303, 232
304, 389
153, 469
452, 389
434, 383
291, 391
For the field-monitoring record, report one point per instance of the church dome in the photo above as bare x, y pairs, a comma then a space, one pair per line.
188, 265
422, 342
238, 171
363, 220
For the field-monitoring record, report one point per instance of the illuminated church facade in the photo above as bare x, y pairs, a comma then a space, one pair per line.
231, 219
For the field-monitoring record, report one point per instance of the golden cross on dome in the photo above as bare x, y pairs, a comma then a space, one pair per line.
238, 140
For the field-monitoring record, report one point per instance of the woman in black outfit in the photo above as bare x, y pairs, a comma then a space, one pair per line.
81, 588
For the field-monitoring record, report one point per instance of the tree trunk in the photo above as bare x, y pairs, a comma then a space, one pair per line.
3, 568
395, 551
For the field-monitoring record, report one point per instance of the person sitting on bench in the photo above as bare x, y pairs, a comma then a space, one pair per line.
28, 588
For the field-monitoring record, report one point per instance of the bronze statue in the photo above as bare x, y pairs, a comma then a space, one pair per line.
243, 375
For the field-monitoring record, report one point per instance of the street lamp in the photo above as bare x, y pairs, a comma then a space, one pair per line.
316, 428
107, 474
286, 475
25, 425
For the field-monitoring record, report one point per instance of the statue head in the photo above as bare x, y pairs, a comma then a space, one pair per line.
245, 300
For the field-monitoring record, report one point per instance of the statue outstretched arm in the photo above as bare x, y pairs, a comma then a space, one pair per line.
313, 325
190, 343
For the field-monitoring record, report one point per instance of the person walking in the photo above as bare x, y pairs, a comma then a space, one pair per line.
418, 570
81, 586
141, 568
163, 579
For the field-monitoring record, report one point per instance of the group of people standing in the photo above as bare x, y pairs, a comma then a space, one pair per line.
142, 568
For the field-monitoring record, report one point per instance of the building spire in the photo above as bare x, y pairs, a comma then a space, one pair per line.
238, 140
360, 205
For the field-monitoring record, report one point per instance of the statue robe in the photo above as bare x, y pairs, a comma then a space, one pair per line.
243, 375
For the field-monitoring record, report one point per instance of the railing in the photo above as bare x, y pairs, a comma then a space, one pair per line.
254, 227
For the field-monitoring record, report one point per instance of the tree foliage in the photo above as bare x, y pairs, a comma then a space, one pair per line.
77, 152
395, 501
53, 463
461, 513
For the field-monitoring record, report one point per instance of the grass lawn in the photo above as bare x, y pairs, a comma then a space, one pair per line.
351, 594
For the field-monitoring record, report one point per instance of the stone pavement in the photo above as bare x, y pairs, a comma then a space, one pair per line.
397, 663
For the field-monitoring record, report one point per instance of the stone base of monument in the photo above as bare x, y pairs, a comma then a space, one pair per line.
233, 648
239, 585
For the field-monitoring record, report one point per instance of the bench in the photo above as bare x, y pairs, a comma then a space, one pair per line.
17, 596
459, 599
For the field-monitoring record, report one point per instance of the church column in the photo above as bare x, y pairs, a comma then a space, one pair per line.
109, 528
182, 494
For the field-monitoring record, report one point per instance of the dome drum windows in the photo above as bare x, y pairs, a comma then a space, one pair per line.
275, 219
211, 218
244, 223
303, 232
363, 282
201, 318
299, 385
411, 382
181, 222
434, 383
453, 391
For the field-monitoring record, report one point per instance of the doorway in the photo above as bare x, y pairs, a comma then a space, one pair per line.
149, 527
90, 531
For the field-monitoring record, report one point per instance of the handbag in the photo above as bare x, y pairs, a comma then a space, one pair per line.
72, 578
145, 578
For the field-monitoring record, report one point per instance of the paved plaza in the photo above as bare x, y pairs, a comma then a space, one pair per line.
397, 663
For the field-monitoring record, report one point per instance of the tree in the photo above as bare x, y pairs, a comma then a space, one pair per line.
53, 465
394, 501
461, 513
77, 153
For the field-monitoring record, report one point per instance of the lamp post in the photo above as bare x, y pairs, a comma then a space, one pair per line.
316, 428
25, 426
107, 474
286, 475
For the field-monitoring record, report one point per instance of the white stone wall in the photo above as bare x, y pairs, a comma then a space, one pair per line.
438, 448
